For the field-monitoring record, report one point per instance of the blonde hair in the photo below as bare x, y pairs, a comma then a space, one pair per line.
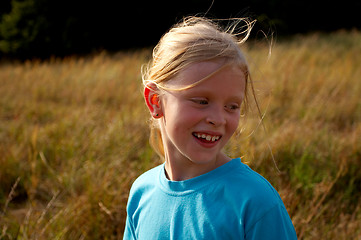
195, 39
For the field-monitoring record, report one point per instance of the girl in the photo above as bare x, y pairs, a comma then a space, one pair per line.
194, 90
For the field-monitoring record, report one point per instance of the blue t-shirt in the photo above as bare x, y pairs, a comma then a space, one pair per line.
230, 202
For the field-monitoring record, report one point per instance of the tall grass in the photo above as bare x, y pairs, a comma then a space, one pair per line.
74, 135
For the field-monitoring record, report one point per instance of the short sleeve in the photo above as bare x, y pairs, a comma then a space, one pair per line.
273, 225
129, 230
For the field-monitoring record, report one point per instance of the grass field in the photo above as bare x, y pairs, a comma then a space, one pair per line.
74, 136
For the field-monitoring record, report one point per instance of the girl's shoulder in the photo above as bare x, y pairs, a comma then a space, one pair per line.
147, 177
245, 183
260, 204
145, 182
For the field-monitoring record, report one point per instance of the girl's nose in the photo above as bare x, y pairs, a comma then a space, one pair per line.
216, 116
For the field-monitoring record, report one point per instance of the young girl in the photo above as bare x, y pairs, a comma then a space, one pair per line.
194, 90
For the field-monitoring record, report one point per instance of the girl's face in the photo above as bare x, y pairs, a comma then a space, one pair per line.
197, 123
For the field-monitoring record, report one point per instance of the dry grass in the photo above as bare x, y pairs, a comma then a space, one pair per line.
74, 135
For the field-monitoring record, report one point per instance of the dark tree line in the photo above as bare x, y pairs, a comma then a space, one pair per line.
41, 28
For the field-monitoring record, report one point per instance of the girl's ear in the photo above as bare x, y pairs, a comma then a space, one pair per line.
152, 100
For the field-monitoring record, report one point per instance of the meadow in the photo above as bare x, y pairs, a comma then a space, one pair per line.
74, 136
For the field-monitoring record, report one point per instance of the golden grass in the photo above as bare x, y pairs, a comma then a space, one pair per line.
74, 135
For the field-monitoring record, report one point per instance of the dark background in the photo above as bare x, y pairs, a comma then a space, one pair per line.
43, 28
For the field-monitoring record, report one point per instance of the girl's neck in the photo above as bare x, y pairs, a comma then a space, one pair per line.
180, 169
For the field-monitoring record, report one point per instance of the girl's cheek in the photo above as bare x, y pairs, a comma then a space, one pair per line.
234, 125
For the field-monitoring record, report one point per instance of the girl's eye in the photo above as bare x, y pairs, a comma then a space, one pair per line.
200, 101
232, 107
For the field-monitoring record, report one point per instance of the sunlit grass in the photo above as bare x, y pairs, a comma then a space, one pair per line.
74, 135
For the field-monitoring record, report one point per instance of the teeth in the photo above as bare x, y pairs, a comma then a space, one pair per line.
207, 137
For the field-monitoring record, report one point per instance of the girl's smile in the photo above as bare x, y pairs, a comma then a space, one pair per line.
199, 121
207, 138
